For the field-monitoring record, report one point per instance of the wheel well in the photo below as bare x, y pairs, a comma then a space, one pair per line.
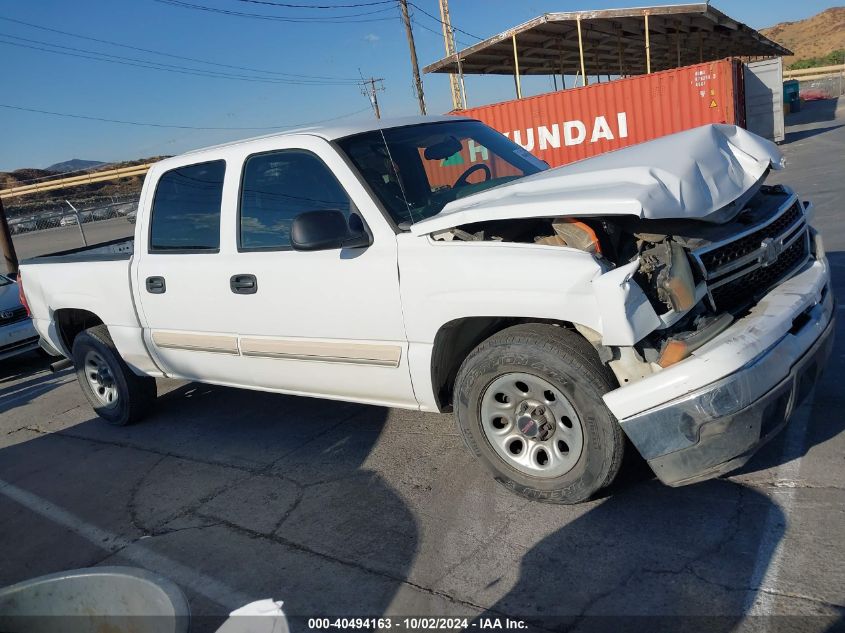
456, 339
70, 322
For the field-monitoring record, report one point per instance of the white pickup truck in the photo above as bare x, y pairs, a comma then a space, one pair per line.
661, 293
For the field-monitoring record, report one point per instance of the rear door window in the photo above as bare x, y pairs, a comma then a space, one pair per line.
186, 209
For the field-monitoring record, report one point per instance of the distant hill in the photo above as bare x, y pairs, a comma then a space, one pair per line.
45, 199
812, 39
23, 176
74, 164
29, 175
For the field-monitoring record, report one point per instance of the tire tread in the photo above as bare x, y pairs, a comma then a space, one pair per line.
576, 352
141, 389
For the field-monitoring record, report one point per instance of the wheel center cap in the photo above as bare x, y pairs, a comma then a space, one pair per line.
533, 421
527, 426
103, 377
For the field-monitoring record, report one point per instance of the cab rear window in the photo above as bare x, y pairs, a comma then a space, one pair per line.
186, 209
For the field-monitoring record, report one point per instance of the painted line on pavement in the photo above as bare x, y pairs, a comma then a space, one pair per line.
767, 566
182, 575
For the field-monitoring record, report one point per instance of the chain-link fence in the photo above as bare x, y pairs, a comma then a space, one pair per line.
45, 226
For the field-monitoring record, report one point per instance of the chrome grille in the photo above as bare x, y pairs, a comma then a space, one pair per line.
12, 316
740, 269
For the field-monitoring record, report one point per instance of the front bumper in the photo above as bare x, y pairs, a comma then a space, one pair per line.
716, 427
17, 338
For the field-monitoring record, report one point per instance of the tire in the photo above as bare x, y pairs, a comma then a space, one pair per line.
116, 393
533, 392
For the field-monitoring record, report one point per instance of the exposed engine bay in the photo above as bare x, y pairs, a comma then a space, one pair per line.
698, 276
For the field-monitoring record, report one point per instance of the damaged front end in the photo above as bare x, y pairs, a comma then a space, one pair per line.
715, 332
699, 277
670, 286
712, 290
685, 233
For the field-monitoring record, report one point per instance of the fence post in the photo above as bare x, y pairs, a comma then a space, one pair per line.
78, 222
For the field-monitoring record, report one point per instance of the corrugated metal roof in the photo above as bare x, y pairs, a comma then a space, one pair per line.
614, 42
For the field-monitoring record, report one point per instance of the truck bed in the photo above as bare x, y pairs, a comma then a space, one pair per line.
95, 280
114, 250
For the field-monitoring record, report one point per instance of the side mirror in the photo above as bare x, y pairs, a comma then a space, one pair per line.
327, 230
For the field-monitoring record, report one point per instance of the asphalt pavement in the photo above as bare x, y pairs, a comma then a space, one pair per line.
349, 510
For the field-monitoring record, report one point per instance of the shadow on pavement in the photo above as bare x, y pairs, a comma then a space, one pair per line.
651, 559
813, 112
800, 135
234, 495
27, 377
21, 366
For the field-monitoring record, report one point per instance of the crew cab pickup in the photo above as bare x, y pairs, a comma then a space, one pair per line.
661, 293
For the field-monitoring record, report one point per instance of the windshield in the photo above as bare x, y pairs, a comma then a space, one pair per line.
423, 167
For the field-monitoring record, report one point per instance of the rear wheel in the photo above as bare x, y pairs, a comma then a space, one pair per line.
116, 393
528, 403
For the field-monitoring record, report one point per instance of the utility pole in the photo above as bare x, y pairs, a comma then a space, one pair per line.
10, 257
370, 90
449, 41
414, 65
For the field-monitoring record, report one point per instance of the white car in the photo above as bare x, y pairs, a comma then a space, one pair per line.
17, 333
661, 292
69, 220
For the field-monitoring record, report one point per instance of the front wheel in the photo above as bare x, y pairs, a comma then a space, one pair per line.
116, 393
528, 403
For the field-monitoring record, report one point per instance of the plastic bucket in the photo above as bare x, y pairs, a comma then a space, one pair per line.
96, 599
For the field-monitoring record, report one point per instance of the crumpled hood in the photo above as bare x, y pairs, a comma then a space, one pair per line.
691, 174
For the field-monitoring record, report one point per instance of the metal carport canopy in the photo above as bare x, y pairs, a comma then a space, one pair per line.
613, 42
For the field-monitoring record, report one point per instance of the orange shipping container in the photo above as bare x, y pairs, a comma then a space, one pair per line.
568, 125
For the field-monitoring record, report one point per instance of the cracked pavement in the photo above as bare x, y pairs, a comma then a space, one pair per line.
349, 510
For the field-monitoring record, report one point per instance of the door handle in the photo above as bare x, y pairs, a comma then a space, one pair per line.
156, 285
243, 284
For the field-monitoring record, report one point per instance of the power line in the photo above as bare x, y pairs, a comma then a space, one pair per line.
419, 24
104, 57
438, 20
143, 63
190, 59
277, 18
324, 6
179, 127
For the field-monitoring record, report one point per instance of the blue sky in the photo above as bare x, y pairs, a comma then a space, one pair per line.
61, 83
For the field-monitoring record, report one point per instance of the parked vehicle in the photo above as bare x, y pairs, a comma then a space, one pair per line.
24, 226
50, 221
125, 209
69, 220
662, 292
132, 216
104, 213
17, 333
